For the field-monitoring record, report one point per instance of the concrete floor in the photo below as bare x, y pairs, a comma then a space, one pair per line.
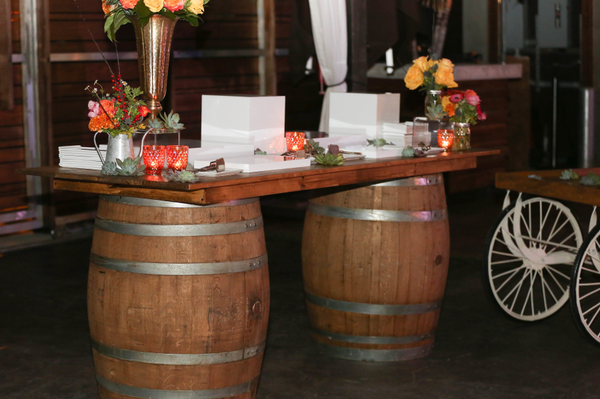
480, 353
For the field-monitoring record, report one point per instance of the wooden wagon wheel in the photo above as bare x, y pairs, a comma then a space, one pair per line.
585, 287
529, 256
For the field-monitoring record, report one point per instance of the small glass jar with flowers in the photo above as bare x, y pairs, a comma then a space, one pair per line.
431, 76
464, 110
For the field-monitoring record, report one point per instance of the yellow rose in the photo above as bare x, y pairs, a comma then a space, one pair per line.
197, 6
422, 63
446, 63
154, 5
445, 77
414, 77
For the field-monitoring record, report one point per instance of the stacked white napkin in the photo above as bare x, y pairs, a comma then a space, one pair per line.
400, 134
76, 156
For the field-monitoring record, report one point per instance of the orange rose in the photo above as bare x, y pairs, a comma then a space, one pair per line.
414, 77
445, 77
197, 6
174, 5
128, 4
107, 107
106, 7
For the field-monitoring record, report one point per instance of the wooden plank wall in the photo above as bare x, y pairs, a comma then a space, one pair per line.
230, 25
13, 191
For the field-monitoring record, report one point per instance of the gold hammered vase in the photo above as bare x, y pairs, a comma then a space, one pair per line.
154, 51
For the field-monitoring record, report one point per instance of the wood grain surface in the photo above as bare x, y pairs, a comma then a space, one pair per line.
215, 190
547, 183
178, 314
376, 262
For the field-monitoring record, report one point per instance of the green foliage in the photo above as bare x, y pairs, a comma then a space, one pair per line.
259, 152
329, 159
182, 176
130, 167
378, 142
408, 152
156, 124
312, 148
591, 179
569, 175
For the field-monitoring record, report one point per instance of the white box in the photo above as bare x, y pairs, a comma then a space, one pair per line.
362, 113
398, 128
272, 146
245, 119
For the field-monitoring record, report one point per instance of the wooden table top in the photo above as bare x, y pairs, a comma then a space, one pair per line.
547, 183
211, 190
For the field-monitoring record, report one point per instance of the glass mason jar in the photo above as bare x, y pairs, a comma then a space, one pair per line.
462, 136
434, 110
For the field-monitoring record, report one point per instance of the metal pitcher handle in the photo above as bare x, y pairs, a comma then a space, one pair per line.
98, 149
142, 144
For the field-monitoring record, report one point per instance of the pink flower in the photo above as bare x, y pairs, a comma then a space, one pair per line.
456, 97
174, 5
480, 115
472, 97
129, 4
94, 109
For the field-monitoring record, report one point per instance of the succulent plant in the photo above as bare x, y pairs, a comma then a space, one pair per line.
183, 176
130, 167
156, 124
312, 148
109, 168
569, 175
258, 151
378, 142
591, 179
171, 121
329, 159
408, 152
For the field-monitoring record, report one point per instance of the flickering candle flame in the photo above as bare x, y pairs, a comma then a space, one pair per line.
154, 158
177, 157
295, 141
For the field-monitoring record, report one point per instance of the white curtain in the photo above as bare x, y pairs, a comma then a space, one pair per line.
331, 42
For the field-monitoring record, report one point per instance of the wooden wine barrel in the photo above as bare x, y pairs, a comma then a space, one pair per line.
178, 299
375, 262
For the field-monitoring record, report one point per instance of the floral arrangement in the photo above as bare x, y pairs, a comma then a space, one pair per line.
120, 12
463, 106
430, 74
116, 113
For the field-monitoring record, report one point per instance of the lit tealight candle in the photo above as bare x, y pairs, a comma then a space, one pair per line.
177, 157
154, 158
445, 138
295, 141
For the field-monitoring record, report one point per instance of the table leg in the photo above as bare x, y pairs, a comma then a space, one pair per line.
178, 298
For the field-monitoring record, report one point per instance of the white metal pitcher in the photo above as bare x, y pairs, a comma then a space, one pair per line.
119, 147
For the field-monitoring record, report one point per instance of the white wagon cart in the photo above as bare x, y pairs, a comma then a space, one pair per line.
536, 256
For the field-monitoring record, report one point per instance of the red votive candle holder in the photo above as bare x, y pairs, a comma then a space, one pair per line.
154, 158
295, 141
445, 138
177, 157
